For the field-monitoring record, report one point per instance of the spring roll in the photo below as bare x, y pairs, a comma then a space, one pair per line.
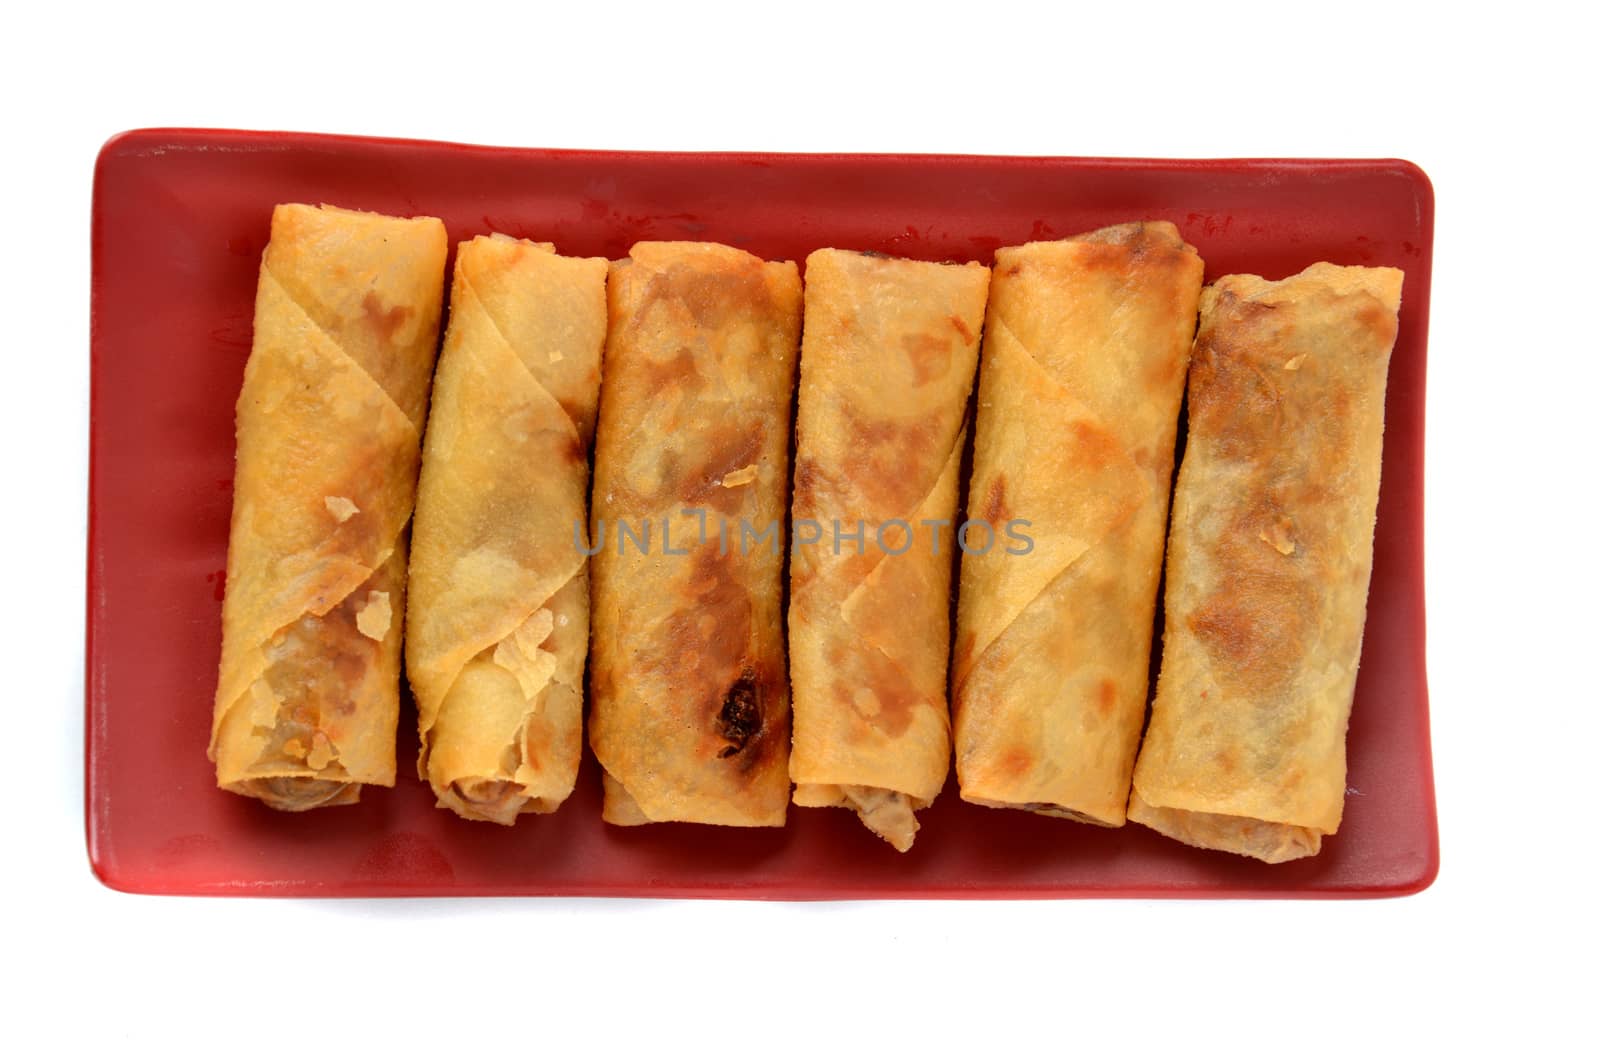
1084, 356
498, 622
689, 692
329, 426
1268, 564
886, 369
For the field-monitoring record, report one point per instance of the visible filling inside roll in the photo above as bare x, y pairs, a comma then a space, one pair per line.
1065, 812
1052, 809
1264, 840
486, 799
296, 794
890, 814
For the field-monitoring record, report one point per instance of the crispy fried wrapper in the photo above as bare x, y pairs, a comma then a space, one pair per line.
329, 426
1085, 350
498, 622
1268, 562
886, 370
689, 695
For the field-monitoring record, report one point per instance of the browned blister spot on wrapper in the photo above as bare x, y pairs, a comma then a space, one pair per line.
385, 321
994, 502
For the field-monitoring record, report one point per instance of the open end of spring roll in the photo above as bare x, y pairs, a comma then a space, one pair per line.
289, 794
329, 425
688, 685
497, 629
1266, 841
1269, 560
1085, 350
887, 363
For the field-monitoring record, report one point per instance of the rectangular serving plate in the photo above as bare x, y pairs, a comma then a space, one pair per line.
180, 220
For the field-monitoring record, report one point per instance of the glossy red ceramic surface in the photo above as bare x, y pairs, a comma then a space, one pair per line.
180, 219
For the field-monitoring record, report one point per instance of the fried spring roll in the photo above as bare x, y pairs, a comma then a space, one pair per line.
886, 368
1084, 356
329, 427
1270, 555
689, 692
498, 622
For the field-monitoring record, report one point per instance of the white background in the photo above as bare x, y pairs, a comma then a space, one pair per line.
1497, 956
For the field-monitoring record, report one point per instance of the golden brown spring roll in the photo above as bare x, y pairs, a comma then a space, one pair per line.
1084, 356
886, 368
689, 693
1268, 563
329, 431
498, 623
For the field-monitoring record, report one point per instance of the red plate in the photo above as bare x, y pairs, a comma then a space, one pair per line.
180, 219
